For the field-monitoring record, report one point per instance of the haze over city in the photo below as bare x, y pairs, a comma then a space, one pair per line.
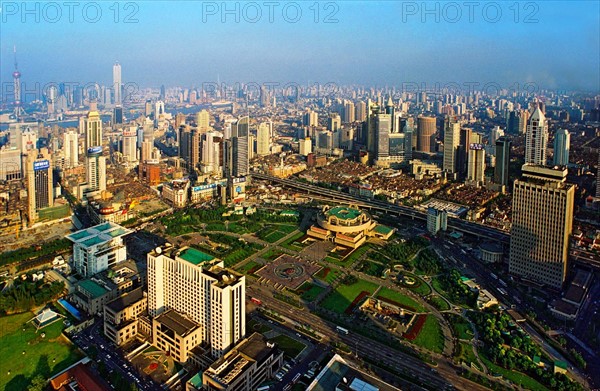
553, 44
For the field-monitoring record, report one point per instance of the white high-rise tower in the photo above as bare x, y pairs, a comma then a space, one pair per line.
117, 84
536, 138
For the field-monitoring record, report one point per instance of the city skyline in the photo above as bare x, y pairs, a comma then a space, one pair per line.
519, 46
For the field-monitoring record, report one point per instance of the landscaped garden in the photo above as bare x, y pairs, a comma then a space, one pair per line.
328, 275
309, 291
290, 346
345, 294
401, 299
27, 354
430, 336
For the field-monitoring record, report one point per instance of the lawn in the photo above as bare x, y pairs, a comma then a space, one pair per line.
431, 336
400, 298
289, 243
356, 254
438, 303
309, 291
328, 275
257, 326
371, 268
466, 354
514, 376
271, 254
419, 287
44, 356
344, 295
290, 346
249, 268
240, 254
460, 327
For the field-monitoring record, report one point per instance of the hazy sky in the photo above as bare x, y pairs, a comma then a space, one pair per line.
553, 44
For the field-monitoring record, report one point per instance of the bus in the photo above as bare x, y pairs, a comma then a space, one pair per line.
341, 330
502, 283
495, 277
255, 301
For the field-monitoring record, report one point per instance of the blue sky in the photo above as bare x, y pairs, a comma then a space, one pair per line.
372, 43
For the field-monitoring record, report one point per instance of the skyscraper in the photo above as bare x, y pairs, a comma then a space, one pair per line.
71, 149
476, 170
118, 115
502, 161
196, 284
451, 143
334, 122
360, 111
117, 84
541, 226
263, 137
310, 118
349, 112
92, 128
383, 126
239, 147
536, 138
95, 170
562, 144
128, 144
40, 192
203, 121
426, 128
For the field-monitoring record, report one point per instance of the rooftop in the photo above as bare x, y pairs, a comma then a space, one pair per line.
178, 323
124, 301
344, 213
98, 234
93, 288
382, 229
194, 256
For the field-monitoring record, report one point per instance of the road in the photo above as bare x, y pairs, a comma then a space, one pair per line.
111, 357
438, 378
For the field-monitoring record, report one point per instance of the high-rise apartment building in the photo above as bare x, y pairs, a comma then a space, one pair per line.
117, 84
349, 112
383, 128
239, 147
71, 149
310, 118
203, 121
197, 284
536, 138
334, 122
95, 170
426, 129
542, 221
476, 163
501, 170
40, 193
263, 138
451, 143
562, 144
92, 128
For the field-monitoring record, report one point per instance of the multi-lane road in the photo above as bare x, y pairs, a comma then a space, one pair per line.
439, 378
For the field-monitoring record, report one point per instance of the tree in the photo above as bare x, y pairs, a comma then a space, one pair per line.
38, 383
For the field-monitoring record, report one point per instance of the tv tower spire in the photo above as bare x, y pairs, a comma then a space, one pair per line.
18, 110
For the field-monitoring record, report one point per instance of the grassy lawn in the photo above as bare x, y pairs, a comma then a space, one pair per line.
328, 275
344, 295
461, 328
248, 267
514, 376
43, 356
289, 243
371, 268
271, 254
290, 346
467, 355
259, 327
356, 254
400, 298
431, 336
240, 254
309, 291
438, 303
419, 287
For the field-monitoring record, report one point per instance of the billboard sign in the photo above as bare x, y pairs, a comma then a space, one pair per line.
41, 165
94, 150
